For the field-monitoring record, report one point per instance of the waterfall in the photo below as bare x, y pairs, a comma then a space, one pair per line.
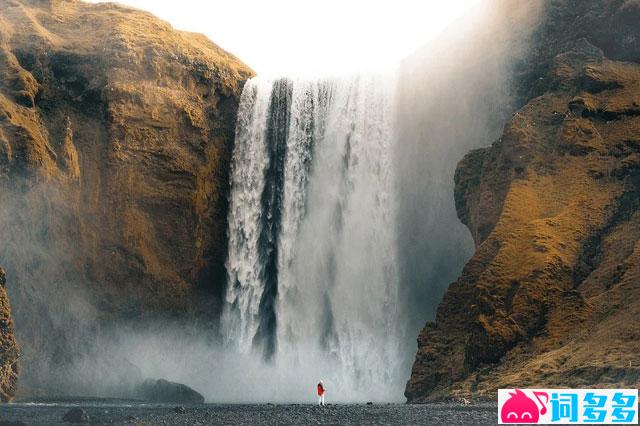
312, 247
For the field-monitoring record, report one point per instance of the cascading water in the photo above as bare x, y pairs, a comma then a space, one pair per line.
312, 280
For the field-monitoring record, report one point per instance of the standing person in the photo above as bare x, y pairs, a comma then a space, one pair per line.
321, 391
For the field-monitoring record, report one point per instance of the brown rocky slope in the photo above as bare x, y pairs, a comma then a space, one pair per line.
115, 141
551, 296
9, 350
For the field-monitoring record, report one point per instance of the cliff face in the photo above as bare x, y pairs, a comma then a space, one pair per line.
9, 350
115, 141
551, 296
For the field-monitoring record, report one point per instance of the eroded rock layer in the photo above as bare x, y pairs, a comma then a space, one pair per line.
551, 296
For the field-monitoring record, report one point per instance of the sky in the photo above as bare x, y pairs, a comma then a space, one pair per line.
302, 37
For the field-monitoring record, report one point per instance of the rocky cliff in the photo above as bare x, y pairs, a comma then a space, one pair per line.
9, 350
115, 140
551, 296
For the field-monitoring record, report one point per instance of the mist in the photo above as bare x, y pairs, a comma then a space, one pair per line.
447, 98
454, 95
50, 301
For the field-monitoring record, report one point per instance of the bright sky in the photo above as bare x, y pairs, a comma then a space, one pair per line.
284, 37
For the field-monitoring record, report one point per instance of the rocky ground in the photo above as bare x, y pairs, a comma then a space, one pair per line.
551, 296
294, 414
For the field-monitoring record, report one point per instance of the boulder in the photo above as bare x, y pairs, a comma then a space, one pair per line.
170, 392
76, 415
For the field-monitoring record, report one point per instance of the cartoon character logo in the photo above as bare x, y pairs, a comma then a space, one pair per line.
519, 408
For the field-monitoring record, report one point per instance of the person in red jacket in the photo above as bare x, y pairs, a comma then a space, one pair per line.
321, 391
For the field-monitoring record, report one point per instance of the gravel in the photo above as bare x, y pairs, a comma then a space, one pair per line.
254, 415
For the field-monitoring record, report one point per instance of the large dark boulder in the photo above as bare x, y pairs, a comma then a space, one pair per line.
165, 391
76, 415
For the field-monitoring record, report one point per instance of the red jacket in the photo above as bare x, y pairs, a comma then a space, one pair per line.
320, 389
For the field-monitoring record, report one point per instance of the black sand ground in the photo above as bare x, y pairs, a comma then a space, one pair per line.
254, 415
